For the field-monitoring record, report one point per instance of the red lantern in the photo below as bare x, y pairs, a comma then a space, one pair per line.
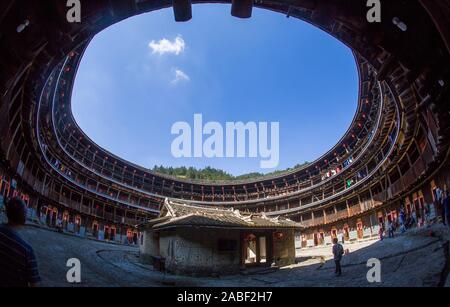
250, 237
278, 235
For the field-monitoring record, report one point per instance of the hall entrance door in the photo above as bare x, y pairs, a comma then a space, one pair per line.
256, 249
346, 233
360, 230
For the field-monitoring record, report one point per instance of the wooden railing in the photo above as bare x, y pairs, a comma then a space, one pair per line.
85, 209
330, 217
355, 209
397, 187
319, 220
308, 223
342, 214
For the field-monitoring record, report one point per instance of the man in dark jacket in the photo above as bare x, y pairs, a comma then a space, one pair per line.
446, 206
18, 266
338, 252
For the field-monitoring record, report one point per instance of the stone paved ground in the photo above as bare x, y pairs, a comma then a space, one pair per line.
413, 259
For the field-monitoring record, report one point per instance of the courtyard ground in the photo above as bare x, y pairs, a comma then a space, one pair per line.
412, 259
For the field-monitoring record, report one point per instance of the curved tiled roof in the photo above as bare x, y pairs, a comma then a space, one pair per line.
176, 214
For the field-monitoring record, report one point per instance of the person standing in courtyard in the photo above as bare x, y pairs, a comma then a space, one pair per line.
402, 220
338, 252
391, 229
381, 232
446, 207
413, 218
438, 194
427, 211
18, 266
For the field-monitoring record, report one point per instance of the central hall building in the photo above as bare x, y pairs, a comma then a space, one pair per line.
204, 241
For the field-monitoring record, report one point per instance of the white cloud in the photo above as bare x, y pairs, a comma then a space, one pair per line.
179, 76
164, 46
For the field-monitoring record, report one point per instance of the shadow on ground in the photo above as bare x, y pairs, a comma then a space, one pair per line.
413, 259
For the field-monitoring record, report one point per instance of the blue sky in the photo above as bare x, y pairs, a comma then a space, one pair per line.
142, 75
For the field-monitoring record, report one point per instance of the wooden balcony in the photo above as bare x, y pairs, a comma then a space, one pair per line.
342, 214
355, 209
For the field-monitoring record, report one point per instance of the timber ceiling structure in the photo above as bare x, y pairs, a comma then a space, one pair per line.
398, 140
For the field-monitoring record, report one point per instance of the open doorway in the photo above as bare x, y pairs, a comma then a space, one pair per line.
95, 230
360, 230
250, 249
255, 249
77, 224
113, 234
321, 238
346, 233
107, 233
316, 239
334, 233
262, 249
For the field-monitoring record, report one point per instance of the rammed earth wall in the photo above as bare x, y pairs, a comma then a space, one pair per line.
284, 248
196, 251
